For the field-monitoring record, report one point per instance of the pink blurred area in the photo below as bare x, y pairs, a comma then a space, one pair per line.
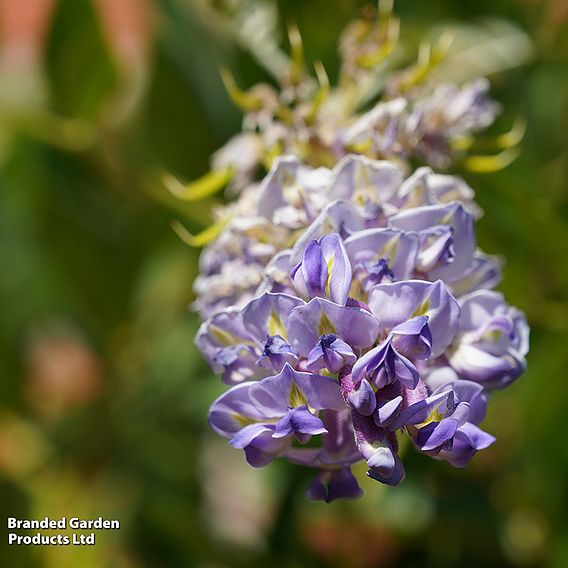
24, 25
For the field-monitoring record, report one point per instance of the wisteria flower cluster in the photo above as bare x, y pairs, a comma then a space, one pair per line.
373, 319
305, 133
295, 203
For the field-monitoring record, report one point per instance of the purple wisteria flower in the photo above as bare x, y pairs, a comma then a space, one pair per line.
377, 324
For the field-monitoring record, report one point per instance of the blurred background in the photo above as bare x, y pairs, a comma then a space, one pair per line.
103, 396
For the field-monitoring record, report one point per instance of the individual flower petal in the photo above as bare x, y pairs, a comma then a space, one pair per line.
324, 271
237, 363
276, 353
330, 352
378, 447
355, 326
483, 272
358, 178
291, 184
451, 222
363, 400
300, 422
387, 410
268, 315
381, 254
290, 388
413, 338
341, 217
442, 403
224, 329
234, 410
468, 440
393, 304
332, 484
492, 341
383, 366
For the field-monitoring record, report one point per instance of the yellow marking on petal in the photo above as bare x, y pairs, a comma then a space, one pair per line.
422, 309
328, 280
201, 239
207, 185
275, 325
243, 420
224, 337
325, 326
493, 335
359, 147
356, 291
390, 249
297, 397
434, 416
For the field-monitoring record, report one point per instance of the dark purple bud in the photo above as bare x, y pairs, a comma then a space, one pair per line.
330, 352
332, 484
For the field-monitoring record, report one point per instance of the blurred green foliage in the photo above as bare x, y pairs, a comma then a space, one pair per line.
103, 397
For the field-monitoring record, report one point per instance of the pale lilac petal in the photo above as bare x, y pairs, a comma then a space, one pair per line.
393, 304
319, 316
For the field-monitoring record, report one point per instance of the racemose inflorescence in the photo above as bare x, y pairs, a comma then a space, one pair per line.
379, 321
344, 300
